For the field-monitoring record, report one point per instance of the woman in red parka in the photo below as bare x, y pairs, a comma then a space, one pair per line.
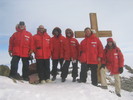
114, 62
42, 53
57, 50
20, 47
72, 53
91, 52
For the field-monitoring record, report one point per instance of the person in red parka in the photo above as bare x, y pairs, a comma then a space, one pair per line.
91, 52
72, 52
57, 50
42, 53
114, 62
20, 46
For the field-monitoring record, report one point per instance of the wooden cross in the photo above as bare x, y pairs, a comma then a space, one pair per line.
94, 26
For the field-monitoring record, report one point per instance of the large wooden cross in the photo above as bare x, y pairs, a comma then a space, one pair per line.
94, 26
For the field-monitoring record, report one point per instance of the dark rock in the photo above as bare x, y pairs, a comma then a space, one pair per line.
127, 84
4, 70
128, 68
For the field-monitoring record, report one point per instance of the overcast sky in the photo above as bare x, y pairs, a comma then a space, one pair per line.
115, 15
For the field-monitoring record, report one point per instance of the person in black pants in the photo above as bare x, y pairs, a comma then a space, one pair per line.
57, 51
43, 68
65, 70
42, 54
71, 55
14, 67
91, 52
84, 70
54, 67
20, 47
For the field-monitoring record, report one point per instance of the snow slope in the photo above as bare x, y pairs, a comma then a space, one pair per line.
57, 91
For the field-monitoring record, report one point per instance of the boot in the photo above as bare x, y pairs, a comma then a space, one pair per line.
48, 80
80, 81
43, 82
119, 95
74, 80
104, 87
17, 77
26, 79
63, 79
54, 78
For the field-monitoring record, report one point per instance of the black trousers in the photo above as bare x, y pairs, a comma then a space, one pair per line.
43, 66
66, 67
84, 70
14, 66
54, 66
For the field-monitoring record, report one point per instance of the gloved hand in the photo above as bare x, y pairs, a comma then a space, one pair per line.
121, 70
102, 66
30, 52
74, 61
31, 57
81, 52
10, 53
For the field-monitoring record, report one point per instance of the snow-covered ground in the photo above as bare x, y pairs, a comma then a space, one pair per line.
57, 91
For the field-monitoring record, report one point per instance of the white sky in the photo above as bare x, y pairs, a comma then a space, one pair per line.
115, 15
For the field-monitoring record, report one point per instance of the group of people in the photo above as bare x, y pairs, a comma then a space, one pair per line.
65, 50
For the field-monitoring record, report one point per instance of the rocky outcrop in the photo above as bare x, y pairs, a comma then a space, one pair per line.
127, 83
4, 70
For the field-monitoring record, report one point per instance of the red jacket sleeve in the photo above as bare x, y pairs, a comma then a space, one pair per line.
51, 45
78, 48
121, 58
82, 57
11, 43
81, 47
103, 60
66, 50
31, 42
100, 48
34, 43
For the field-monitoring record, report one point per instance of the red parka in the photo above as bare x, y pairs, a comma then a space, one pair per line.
90, 49
42, 46
57, 50
73, 48
113, 59
21, 43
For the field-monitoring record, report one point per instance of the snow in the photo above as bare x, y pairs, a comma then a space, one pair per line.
57, 91
126, 74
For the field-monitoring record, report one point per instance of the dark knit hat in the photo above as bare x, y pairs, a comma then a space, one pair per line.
21, 23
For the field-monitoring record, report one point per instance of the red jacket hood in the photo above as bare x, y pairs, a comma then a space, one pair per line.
56, 29
111, 40
58, 36
70, 31
92, 36
39, 33
19, 30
